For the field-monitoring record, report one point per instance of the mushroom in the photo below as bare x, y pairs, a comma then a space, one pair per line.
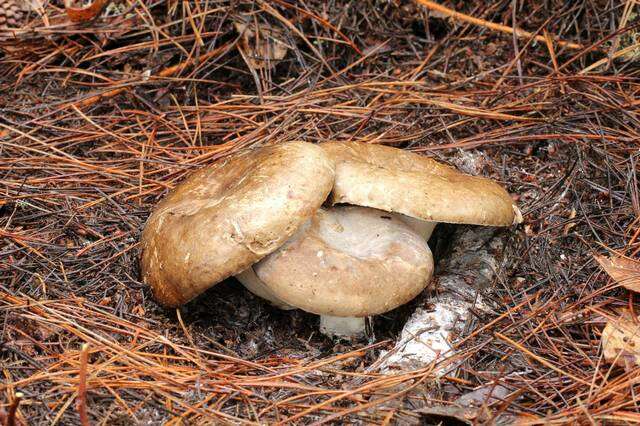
225, 217
420, 189
251, 282
348, 263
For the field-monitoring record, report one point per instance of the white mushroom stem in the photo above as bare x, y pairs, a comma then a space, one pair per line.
342, 326
420, 227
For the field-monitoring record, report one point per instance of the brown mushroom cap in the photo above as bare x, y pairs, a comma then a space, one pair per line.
349, 262
400, 181
226, 217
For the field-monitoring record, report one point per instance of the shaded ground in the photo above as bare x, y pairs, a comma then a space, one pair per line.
98, 120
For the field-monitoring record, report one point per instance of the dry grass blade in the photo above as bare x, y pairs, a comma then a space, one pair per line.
132, 364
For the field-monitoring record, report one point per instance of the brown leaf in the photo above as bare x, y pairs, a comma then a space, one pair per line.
621, 340
260, 46
84, 14
625, 272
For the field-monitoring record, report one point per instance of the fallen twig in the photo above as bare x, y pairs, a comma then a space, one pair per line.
492, 25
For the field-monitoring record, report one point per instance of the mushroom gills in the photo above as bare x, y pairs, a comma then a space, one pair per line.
348, 263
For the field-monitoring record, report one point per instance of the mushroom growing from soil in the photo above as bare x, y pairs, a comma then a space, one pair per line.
226, 217
257, 215
419, 189
348, 263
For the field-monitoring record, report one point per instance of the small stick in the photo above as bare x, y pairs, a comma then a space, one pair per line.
81, 402
13, 409
491, 25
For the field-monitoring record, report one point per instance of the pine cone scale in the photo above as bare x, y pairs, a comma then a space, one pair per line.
11, 14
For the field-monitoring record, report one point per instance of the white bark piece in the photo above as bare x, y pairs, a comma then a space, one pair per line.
430, 334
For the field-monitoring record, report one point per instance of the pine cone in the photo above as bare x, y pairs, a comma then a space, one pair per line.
11, 14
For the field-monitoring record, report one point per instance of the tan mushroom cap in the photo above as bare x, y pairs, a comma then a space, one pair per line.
251, 282
349, 261
400, 181
226, 217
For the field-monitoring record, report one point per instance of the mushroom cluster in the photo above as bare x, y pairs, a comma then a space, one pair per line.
338, 229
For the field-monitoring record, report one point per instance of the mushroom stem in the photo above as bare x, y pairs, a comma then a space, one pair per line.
342, 326
421, 227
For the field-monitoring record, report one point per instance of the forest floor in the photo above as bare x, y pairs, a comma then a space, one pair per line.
99, 118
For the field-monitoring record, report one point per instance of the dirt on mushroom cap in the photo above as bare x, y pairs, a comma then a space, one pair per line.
226, 217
